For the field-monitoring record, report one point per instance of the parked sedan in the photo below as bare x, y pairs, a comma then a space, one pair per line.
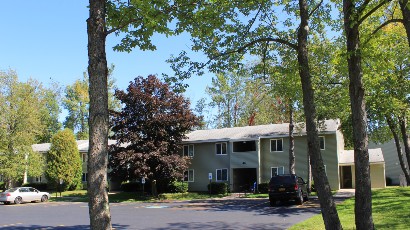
19, 195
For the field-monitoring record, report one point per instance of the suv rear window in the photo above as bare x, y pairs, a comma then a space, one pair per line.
282, 180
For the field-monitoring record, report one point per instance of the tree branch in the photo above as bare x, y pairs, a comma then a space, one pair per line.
381, 27
316, 7
371, 11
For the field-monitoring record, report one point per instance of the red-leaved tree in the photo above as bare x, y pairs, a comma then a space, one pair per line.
149, 130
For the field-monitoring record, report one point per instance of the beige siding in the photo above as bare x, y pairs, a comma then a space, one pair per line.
391, 159
377, 176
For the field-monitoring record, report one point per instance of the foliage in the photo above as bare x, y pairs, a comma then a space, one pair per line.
263, 187
178, 187
130, 186
149, 129
64, 161
76, 102
390, 210
21, 111
218, 188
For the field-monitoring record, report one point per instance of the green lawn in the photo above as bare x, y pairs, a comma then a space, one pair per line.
390, 211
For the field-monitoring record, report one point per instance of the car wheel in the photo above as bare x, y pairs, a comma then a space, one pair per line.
44, 198
299, 200
18, 200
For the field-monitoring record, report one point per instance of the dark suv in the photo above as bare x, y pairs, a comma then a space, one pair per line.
287, 187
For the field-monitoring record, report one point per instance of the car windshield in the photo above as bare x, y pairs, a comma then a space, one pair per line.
282, 180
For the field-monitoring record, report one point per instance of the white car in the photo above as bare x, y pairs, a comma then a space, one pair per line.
19, 195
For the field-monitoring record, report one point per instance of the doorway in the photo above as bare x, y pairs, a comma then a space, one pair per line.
346, 177
243, 179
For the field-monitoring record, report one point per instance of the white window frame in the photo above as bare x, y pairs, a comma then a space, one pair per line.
277, 170
189, 172
276, 139
221, 179
38, 179
221, 148
190, 153
324, 142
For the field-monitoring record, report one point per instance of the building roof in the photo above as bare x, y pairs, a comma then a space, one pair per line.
82, 146
375, 156
255, 132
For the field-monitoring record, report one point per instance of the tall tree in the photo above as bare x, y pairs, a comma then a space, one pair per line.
149, 130
20, 124
226, 31
64, 161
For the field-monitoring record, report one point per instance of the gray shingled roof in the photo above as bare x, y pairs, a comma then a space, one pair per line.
254, 132
375, 156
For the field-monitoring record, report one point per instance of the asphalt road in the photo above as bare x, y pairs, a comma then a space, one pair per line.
212, 214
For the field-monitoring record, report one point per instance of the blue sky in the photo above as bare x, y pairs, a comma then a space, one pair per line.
47, 40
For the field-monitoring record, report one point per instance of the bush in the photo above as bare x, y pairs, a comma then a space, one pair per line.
218, 188
178, 187
39, 186
2, 186
263, 187
130, 187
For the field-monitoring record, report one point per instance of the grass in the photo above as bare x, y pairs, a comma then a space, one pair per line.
390, 210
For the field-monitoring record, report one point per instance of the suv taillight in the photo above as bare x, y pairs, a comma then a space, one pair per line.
8, 194
296, 187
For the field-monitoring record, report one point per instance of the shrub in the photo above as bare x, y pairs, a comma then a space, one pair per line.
130, 187
39, 186
263, 187
178, 187
2, 186
218, 188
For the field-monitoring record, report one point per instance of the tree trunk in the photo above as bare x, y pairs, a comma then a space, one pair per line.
405, 137
400, 155
291, 141
327, 204
363, 194
99, 210
406, 17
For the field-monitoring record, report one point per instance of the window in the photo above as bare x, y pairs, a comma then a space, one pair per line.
84, 177
220, 148
277, 171
188, 150
38, 179
322, 142
84, 157
189, 175
244, 146
221, 174
276, 145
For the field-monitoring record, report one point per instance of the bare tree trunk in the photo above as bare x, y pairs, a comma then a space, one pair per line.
400, 155
363, 194
405, 137
99, 209
327, 204
406, 18
291, 141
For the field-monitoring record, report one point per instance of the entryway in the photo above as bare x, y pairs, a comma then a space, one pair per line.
243, 179
346, 177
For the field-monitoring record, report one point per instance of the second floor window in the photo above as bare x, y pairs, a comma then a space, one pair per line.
276, 145
189, 150
220, 148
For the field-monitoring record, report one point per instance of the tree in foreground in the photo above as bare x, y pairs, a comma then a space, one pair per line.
64, 161
149, 130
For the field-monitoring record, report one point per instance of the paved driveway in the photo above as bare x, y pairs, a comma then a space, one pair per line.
212, 214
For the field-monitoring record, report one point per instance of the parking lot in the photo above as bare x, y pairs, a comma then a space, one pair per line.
233, 213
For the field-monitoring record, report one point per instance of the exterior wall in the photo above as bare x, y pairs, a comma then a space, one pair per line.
392, 163
274, 159
377, 176
205, 161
